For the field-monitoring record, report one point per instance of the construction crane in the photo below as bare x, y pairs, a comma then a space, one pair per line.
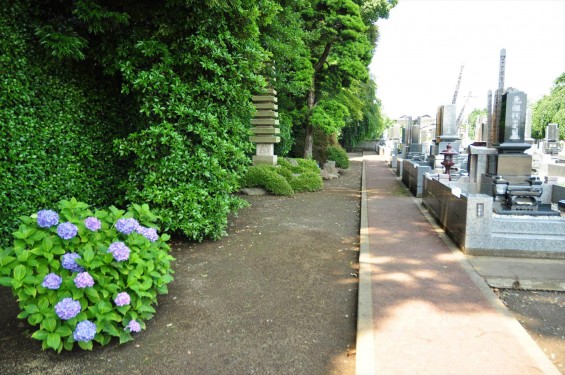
458, 122
457, 86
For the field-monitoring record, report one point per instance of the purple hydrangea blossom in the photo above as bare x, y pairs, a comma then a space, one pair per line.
84, 331
149, 233
69, 262
52, 281
133, 326
47, 218
67, 308
67, 230
84, 280
122, 299
126, 226
119, 250
92, 223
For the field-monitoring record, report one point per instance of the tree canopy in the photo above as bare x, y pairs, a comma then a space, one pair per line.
149, 101
550, 109
332, 44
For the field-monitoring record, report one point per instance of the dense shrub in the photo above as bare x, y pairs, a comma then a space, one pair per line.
307, 181
288, 177
55, 125
266, 176
339, 155
83, 276
308, 165
191, 67
299, 165
114, 102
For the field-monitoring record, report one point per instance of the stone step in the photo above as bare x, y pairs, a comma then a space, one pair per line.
526, 227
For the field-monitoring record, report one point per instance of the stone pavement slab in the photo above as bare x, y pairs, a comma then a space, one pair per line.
422, 307
521, 273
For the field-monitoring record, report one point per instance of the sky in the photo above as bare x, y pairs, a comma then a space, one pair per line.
424, 43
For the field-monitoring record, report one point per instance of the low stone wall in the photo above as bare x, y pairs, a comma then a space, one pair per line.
470, 221
557, 170
399, 162
413, 176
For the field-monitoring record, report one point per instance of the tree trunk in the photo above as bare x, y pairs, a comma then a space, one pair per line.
308, 137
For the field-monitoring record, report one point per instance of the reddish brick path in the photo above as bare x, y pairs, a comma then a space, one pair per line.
429, 315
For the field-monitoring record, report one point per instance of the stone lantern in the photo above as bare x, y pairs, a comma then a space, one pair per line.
448, 162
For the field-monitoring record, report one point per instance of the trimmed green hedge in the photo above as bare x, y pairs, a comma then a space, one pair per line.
286, 178
117, 104
55, 125
266, 176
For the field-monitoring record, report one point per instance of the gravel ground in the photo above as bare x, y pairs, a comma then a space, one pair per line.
543, 315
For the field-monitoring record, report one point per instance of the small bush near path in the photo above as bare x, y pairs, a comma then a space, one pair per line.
339, 155
82, 277
288, 177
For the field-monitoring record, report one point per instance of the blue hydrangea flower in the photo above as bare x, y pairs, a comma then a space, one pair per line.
133, 326
67, 308
149, 233
47, 218
84, 280
84, 331
69, 262
67, 230
126, 226
52, 281
119, 250
122, 299
92, 223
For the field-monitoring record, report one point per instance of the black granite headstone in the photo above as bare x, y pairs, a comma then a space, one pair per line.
512, 123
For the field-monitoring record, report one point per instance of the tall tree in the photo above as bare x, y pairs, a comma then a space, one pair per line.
369, 122
550, 109
475, 116
321, 50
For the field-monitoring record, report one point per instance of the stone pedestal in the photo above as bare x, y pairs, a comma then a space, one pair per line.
478, 162
513, 165
265, 130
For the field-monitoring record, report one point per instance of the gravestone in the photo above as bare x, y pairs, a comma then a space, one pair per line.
511, 159
551, 142
446, 133
512, 122
415, 142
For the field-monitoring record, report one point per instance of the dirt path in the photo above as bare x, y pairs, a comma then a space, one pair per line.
276, 296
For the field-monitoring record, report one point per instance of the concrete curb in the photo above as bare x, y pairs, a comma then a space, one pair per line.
365, 342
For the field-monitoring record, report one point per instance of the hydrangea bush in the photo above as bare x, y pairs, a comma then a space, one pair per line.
82, 276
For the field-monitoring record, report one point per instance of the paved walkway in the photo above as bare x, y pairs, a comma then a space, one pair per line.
422, 308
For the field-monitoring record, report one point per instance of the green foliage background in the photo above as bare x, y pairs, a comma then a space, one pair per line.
149, 101
550, 109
